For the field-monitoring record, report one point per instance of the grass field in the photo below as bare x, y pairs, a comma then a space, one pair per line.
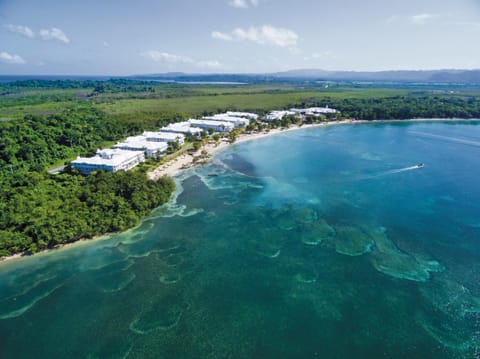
249, 98
162, 102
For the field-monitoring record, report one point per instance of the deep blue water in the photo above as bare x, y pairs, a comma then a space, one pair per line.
323, 242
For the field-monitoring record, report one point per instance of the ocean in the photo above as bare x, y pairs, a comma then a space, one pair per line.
329, 242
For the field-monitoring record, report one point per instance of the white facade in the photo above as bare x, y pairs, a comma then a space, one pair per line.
140, 143
182, 127
164, 137
217, 126
236, 121
250, 116
111, 160
278, 115
313, 110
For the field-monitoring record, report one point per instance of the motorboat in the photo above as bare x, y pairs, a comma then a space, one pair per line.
420, 165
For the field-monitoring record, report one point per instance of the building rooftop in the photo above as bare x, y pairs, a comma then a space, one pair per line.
314, 110
237, 121
278, 115
141, 143
249, 115
181, 127
212, 123
164, 136
108, 157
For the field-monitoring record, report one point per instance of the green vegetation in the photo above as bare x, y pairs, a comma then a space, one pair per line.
46, 123
40, 211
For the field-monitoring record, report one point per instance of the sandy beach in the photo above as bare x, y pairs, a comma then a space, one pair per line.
181, 163
175, 167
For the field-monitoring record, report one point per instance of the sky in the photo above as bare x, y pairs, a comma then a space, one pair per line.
125, 37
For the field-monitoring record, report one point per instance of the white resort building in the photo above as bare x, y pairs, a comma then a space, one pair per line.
315, 111
278, 115
165, 137
217, 126
250, 116
140, 143
236, 121
182, 127
111, 160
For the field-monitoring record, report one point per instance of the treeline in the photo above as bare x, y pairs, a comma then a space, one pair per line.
39, 211
404, 107
39, 141
111, 84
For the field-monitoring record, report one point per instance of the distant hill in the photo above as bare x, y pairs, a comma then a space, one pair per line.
430, 76
469, 76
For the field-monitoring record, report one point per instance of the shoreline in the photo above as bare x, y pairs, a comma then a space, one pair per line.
186, 161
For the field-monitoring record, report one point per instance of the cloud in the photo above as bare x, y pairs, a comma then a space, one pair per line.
158, 56
11, 59
20, 29
54, 34
167, 58
221, 36
265, 35
211, 64
243, 4
422, 19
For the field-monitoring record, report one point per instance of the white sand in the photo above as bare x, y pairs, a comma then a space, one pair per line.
177, 165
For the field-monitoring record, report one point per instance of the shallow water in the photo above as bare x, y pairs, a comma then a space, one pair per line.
325, 242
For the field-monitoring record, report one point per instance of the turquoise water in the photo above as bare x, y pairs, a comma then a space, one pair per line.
323, 242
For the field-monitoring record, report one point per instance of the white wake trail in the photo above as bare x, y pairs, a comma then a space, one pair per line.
411, 168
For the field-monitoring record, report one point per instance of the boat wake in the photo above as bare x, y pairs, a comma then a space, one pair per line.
405, 169
389, 172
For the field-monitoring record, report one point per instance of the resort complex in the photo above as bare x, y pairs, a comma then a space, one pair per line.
135, 149
110, 160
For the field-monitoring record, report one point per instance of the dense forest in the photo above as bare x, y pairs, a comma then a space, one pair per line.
408, 107
39, 210
39, 141
46, 123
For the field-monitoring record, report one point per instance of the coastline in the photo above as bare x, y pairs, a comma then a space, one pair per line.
78, 242
186, 161
178, 165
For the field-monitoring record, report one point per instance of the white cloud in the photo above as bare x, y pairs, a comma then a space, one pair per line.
422, 19
11, 59
54, 34
20, 29
243, 4
265, 35
167, 58
211, 64
221, 36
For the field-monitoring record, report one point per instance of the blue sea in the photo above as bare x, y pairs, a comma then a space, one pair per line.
326, 242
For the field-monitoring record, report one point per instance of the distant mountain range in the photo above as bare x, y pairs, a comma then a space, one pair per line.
428, 76
420, 76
